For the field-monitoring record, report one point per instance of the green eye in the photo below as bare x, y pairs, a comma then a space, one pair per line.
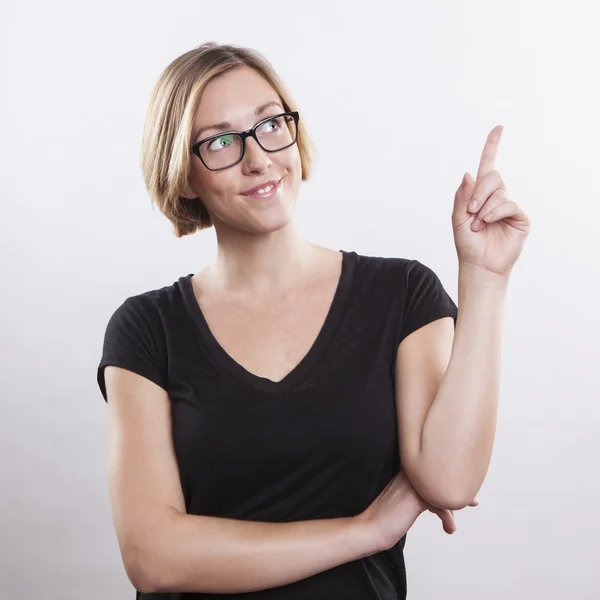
221, 142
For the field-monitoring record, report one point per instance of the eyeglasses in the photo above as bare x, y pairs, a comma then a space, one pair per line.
224, 150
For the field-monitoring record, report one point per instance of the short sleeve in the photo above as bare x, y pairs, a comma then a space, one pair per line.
134, 340
425, 299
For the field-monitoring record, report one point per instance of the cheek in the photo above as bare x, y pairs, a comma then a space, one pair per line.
217, 185
298, 164
293, 164
298, 169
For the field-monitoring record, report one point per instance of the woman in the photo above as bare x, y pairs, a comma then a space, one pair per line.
259, 408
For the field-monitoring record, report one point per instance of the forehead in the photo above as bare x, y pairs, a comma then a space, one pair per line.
232, 97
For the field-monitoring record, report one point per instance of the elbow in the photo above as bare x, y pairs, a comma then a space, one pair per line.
144, 570
144, 575
449, 502
147, 557
444, 498
437, 495
438, 492
137, 572
448, 499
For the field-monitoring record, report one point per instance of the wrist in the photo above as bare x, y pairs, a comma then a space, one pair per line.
417, 503
363, 535
472, 271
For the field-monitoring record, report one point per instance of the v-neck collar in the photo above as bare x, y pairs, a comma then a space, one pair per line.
263, 383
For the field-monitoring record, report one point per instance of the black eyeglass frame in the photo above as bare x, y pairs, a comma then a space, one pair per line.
195, 148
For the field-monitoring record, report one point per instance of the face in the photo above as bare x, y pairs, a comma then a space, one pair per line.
234, 97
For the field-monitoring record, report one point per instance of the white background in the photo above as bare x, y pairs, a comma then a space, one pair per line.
399, 98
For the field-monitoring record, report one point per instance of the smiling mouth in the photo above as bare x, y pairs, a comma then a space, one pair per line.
267, 189
265, 192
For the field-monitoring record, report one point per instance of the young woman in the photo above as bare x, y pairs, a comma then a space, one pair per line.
279, 420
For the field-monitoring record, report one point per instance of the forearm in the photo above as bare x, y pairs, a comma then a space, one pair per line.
459, 430
196, 553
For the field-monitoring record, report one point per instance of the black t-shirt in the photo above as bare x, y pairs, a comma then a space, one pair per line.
321, 443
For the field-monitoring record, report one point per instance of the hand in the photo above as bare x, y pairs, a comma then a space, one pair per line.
442, 512
496, 243
393, 513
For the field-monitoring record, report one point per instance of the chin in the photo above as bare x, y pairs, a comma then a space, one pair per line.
272, 218
270, 223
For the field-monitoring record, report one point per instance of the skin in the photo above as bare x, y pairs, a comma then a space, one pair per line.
261, 256
260, 251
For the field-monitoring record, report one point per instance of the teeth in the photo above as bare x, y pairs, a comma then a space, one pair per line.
265, 190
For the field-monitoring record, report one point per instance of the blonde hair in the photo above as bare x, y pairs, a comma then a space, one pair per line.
165, 149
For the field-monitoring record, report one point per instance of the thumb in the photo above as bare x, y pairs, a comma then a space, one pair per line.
463, 196
468, 187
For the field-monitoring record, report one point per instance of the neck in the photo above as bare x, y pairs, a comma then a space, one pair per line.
263, 264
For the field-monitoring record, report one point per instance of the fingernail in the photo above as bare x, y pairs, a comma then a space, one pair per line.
473, 205
476, 224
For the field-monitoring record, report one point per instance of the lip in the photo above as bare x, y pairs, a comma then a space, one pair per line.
261, 186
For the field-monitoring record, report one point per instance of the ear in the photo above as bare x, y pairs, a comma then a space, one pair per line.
188, 192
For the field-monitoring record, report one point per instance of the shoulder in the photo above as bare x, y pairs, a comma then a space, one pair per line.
385, 271
135, 337
152, 304
407, 286
395, 270
404, 278
424, 298
145, 317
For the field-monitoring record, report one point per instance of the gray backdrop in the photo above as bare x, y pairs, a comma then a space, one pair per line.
79, 236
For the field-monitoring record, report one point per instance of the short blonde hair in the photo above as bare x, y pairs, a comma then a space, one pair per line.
166, 139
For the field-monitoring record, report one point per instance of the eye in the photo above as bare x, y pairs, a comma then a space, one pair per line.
271, 125
221, 142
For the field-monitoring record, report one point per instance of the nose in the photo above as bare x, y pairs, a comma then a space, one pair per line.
255, 158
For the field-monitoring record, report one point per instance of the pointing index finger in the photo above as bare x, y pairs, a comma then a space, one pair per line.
487, 162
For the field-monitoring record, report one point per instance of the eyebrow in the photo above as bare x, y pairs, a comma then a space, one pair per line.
226, 125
